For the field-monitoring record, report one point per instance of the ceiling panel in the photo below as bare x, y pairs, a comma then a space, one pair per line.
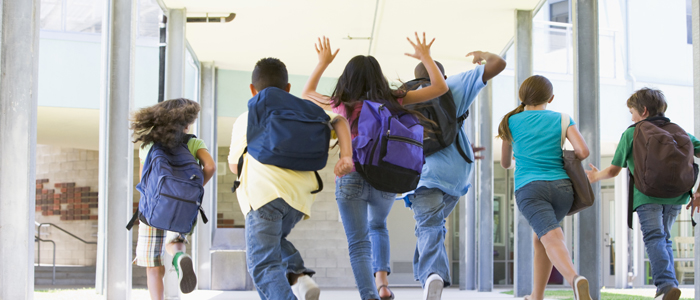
288, 30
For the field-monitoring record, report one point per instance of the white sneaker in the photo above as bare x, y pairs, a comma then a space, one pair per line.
306, 288
581, 291
433, 287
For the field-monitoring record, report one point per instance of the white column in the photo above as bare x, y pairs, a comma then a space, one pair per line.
586, 98
696, 97
485, 250
207, 132
174, 88
467, 220
116, 150
522, 283
622, 266
175, 54
19, 49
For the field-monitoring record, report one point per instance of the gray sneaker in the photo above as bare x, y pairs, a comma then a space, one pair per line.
672, 293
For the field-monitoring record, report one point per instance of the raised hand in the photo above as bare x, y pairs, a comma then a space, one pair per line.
478, 57
421, 48
343, 166
323, 49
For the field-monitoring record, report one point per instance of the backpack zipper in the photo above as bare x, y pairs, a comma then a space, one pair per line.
404, 139
177, 198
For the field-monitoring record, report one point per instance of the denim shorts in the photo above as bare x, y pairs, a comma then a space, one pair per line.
545, 203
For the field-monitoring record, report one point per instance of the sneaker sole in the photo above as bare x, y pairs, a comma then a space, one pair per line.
673, 294
581, 292
435, 290
312, 294
188, 280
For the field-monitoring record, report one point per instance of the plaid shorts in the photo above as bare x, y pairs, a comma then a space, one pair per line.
151, 242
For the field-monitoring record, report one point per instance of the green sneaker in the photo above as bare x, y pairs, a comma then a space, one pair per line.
185, 272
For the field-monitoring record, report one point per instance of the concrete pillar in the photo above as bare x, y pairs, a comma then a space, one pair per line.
485, 250
696, 97
175, 59
19, 49
207, 132
586, 99
622, 252
467, 221
175, 54
116, 155
522, 283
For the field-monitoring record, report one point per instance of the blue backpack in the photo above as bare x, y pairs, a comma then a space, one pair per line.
287, 132
388, 150
171, 189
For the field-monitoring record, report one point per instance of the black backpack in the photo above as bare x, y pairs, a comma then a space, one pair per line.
443, 112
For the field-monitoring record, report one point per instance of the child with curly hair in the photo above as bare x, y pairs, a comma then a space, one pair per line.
168, 123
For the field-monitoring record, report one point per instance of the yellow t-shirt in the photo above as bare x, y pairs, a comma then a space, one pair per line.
261, 183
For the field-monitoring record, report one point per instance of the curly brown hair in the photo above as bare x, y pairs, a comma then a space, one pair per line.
164, 122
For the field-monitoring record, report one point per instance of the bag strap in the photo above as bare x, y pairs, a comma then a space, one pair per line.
204, 216
565, 121
461, 151
133, 220
237, 183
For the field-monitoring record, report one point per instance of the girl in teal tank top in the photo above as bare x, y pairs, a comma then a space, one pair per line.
543, 190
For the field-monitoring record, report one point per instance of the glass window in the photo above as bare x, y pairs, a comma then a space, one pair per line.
149, 18
85, 16
559, 11
51, 15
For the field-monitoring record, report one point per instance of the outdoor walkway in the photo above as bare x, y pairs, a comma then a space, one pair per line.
343, 294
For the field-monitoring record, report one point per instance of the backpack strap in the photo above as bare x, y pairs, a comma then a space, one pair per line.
204, 216
460, 121
320, 183
630, 198
237, 183
133, 220
463, 117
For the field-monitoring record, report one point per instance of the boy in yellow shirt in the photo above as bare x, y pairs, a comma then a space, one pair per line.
274, 199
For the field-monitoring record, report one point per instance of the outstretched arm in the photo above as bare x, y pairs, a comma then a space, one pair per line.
342, 129
438, 86
494, 63
325, 57
594, 175
208, 164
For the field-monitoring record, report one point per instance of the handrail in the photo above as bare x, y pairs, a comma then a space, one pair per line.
73, 235
39, 240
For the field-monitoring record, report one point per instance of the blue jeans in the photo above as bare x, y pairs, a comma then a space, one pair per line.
430, 209
656, 221
270, 256
363, 210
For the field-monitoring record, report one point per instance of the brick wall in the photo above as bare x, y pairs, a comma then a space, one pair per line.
67, 197
320, 239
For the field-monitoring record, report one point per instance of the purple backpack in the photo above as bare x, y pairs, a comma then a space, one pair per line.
388, 150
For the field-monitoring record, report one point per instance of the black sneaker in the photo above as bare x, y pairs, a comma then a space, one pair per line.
185, 272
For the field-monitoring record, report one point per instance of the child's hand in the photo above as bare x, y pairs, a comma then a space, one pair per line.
592, 173
478, 57
422, 50
323, 48
343, 166
694, 203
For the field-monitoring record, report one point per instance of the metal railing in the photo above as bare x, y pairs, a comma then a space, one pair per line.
53, 272
39, 240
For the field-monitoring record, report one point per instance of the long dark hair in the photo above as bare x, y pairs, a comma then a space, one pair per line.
164, 122
362, 79
535, 90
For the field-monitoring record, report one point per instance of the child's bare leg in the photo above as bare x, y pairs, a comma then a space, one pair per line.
543, 268
175, 247
154, 281
553, 242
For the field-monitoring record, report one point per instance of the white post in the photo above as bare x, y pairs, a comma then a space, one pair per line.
207, 131
174, 88
586, 99
467, 221
523, 233
19, 49
113, 277
696, 97
485, 247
